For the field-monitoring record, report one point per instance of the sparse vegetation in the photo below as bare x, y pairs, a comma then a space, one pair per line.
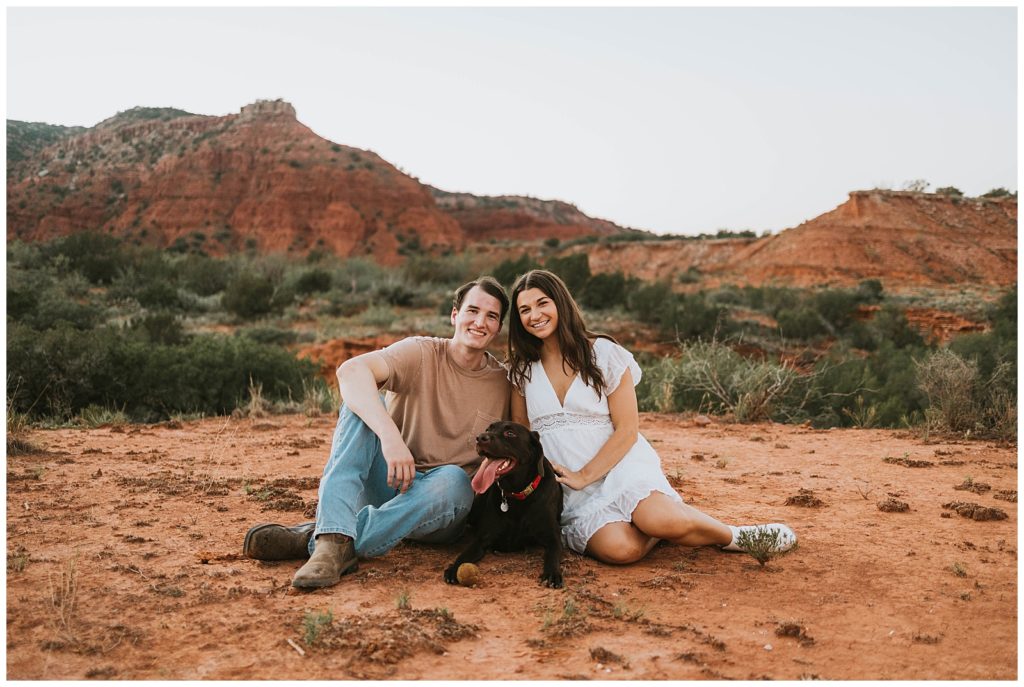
760, 543
80, 309
313, 623
63, 599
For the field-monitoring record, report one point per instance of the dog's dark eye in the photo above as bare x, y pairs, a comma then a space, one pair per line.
510, 434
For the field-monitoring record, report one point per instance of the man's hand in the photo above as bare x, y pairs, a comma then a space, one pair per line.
401, 466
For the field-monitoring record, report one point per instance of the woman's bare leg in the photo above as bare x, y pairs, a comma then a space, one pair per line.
620, 543
661, 517
656, 517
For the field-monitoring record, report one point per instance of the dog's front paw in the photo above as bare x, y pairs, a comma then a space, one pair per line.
451, 574
552, 579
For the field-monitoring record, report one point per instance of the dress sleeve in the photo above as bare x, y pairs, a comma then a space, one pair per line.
614, 360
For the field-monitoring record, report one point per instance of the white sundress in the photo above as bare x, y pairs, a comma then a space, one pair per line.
574, 431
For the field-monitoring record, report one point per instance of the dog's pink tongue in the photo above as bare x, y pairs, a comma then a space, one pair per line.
485, 475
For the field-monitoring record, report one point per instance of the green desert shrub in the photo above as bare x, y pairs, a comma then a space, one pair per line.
800, 323
314, 280
890, 324
161, 328
449, 270
573, 269
53, 308
870, 291
710, 376
203, 275
99, 257
507, 271
837, 307
249, 295
679, 316
605, 290
58, 372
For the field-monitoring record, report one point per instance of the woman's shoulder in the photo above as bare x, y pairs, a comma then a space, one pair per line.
604, 345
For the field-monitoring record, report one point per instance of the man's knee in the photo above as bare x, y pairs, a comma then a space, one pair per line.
451, 484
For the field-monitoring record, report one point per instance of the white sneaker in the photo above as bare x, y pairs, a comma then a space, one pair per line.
787, 537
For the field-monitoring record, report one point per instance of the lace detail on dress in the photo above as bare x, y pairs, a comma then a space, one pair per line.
548, 423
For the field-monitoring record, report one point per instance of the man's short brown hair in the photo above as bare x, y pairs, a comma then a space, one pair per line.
490, 286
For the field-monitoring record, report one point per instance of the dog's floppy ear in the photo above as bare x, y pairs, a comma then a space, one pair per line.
539, 450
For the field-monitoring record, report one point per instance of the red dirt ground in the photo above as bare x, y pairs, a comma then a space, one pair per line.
147, 521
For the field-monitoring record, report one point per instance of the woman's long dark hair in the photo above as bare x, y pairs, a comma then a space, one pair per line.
574, 339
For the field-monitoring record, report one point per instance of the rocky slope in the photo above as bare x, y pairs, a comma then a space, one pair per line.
901, 238
258, 179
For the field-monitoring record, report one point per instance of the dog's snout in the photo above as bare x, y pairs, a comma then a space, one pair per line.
483, 438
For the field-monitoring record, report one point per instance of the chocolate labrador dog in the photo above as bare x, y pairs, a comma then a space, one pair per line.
518, 501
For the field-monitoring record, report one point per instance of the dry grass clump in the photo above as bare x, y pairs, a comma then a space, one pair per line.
893, 505
17, 432
961, 401
975, 511
805, 498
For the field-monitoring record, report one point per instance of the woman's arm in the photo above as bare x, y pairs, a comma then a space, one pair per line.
518, 406
626, 419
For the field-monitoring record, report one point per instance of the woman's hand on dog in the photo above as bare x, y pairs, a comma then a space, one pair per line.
572, 479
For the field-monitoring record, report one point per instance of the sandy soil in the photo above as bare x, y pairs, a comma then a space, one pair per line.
123, 563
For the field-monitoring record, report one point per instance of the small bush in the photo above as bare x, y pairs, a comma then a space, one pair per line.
999, 193
161, 328
53, 309
800, 323
891, 324
203, 275
314, 280
761, 543
573, 269
100, 257
869, 291
605, 290
837, 307
158, 294
248, 296
711, 376
507, 271
444, 271
313, 624
948, 380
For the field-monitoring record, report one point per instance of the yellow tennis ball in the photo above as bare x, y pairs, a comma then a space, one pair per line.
468, 574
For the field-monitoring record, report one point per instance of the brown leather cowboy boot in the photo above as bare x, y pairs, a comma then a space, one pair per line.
334, 555
270, 542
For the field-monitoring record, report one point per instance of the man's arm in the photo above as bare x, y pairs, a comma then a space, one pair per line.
359, 379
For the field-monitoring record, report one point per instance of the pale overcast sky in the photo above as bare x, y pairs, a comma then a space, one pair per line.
681, 120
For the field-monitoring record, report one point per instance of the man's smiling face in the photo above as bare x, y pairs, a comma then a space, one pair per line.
478, 321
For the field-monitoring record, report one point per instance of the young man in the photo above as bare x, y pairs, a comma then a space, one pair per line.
401, 469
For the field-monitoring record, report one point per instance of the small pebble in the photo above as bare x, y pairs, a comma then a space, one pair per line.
767, 647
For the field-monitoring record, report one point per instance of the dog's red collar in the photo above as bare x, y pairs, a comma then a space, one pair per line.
526, 492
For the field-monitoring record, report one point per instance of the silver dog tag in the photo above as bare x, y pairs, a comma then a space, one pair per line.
504, 506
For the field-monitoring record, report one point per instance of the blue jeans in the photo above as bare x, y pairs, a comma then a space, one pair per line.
356, 500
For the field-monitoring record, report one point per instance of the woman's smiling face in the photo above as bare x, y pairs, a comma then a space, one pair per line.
537, 312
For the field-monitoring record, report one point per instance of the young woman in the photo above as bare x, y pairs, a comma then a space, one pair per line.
575, 388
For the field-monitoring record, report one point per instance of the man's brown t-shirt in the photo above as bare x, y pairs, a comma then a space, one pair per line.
440, 407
